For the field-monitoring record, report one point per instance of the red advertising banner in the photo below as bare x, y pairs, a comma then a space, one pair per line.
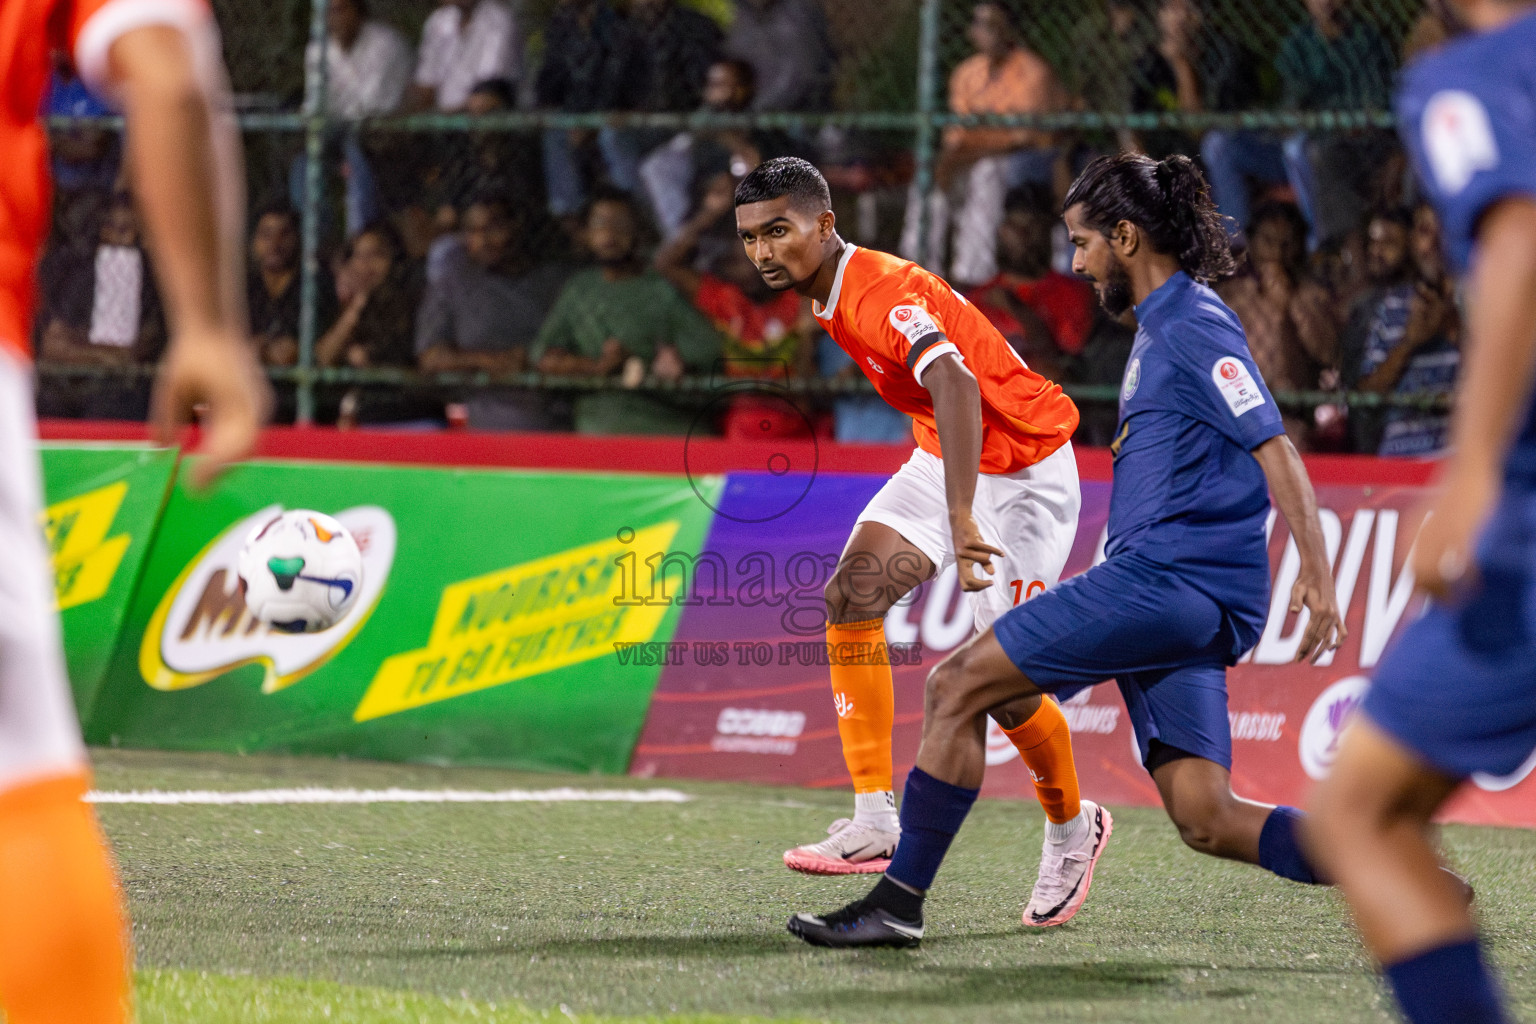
746, 695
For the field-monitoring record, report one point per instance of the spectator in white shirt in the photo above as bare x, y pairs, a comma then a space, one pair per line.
100, 308
465, 42
367, 69
368, 63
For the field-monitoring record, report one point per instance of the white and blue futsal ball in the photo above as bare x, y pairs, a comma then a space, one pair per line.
300, 571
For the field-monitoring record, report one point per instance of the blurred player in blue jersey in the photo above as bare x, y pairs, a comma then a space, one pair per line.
1457, 694
1184, 589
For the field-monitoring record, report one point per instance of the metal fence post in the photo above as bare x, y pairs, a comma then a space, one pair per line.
315, 125
927, 106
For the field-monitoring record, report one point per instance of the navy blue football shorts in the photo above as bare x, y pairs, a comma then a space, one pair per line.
1458, 688
1166, 643
1161, 639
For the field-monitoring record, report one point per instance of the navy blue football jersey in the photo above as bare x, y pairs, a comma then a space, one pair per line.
1187, 492
1468, 117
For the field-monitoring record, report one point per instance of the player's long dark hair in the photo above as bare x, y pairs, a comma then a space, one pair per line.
1168, 200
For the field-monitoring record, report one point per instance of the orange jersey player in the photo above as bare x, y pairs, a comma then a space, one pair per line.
992, 489
895, 319
62, 935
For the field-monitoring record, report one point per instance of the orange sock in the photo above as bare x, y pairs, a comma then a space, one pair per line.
1045, 743
63, 956
864, 695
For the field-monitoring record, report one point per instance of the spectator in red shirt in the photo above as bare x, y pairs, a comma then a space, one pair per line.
766, 334
1046, 316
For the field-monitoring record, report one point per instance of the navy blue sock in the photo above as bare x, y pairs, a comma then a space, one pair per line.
1448, 984
931, 814
1278, 850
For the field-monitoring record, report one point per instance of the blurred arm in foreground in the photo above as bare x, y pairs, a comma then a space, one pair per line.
184, 162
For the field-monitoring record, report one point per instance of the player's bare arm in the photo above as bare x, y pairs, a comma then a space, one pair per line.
1314, 590
1500, 363
957, 414
184, 162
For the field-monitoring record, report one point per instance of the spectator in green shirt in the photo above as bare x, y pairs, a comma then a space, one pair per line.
620, 320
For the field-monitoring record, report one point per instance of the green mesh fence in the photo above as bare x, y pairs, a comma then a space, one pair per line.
1156, 74
264, 49
1103, 50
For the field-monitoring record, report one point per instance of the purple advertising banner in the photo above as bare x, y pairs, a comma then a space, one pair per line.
747, 695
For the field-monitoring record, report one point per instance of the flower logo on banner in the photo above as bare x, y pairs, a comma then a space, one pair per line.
1325, 723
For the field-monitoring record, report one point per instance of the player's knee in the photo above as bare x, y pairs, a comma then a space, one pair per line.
1198, 834
847, 601
1205, 823
950, 686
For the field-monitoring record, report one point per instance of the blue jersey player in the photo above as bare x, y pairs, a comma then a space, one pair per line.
1184, 589
1457, 694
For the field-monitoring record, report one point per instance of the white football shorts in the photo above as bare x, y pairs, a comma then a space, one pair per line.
39, 731
1030, 514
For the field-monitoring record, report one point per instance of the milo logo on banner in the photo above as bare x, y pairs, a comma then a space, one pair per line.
201, 628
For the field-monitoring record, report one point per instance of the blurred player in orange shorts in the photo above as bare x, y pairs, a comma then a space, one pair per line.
63, 931
991, 488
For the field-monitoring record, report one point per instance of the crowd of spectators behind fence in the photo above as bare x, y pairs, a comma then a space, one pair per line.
611, 252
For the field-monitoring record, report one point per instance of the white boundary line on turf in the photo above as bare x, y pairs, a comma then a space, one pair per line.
318, 795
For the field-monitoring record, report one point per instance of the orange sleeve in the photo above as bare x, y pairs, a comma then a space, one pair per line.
91, 27
910, 328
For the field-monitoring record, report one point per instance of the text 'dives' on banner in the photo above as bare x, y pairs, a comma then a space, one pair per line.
745, 694
490, 626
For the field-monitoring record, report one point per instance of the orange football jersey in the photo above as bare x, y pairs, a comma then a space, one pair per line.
895, 318
30, 30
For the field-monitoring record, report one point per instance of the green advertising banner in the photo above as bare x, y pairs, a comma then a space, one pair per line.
490, 625
103, 503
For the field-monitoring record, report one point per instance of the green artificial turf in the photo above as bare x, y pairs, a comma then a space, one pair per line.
166, 997
435, 912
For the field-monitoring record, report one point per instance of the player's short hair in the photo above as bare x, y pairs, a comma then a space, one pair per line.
1168, 200
785, 176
